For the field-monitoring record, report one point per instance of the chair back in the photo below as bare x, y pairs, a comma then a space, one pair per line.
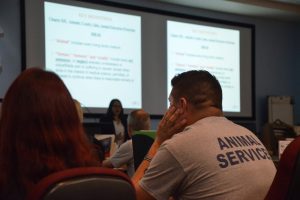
286, 184
85, 183
141, 143
294, 187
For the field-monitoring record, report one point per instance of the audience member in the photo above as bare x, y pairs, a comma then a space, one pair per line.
114, 122
137, 120
40, 133
198, 153
79, 110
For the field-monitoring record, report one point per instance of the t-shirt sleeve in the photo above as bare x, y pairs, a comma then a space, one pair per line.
122, 155
163, 176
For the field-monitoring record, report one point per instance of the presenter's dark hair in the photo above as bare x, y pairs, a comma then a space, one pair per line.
40, 131
199, 87
109, 112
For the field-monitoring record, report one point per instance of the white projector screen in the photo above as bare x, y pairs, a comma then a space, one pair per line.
108, 50
194, 47
96, 53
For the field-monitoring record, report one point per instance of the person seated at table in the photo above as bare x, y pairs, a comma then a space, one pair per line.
200, 154
137, 120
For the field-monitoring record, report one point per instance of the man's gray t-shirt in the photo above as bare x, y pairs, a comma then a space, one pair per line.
211, 159
124, 156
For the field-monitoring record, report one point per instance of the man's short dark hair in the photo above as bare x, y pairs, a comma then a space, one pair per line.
199, 87
139, 120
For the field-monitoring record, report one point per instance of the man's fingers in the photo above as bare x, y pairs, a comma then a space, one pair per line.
171, 123
173, 118
169, 113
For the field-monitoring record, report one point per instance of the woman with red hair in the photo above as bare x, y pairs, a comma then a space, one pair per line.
40, 133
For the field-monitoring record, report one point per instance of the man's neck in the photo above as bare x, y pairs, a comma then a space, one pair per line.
196, 115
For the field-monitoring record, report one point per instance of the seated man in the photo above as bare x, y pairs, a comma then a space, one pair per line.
198, 153
137, 120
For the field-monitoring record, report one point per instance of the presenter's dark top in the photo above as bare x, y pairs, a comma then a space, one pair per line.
107, 126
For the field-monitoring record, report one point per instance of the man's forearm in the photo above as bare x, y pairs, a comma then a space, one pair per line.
171, 124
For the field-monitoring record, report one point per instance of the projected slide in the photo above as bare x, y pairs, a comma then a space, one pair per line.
217, 50
96, 53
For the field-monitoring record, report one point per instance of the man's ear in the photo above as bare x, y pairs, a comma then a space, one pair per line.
183, 103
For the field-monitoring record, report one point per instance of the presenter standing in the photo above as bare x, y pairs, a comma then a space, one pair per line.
114, 122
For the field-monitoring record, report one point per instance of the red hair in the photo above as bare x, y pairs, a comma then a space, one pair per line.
40, 131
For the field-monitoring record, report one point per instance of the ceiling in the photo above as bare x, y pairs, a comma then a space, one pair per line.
288, 10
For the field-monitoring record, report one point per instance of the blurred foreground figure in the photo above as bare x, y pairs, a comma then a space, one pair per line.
40, 133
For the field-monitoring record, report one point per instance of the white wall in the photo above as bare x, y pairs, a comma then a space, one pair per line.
296, 70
